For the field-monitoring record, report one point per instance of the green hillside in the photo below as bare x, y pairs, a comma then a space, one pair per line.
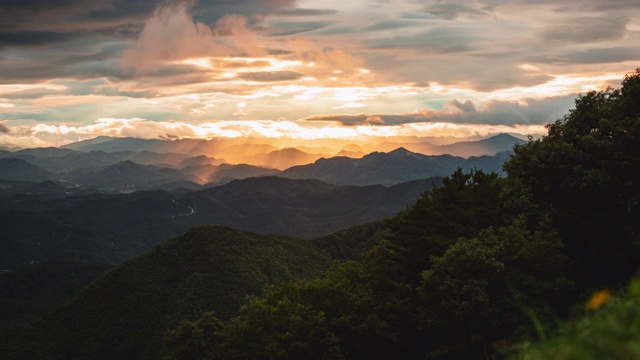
39, 289
125, 313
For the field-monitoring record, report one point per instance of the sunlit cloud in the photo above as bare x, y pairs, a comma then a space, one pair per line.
158, 69
260, 129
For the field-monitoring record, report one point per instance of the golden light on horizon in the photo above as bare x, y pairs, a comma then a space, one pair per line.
272, 130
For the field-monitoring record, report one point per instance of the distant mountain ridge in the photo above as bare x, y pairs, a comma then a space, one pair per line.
397, 166
22, 170
113, 228
172, 169
235, 151
129, 176
489, 146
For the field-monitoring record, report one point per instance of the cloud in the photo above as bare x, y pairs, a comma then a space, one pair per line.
591, 56
170, 35
30, 38
322, 62
586, 29
117, 18
270, 76
4, 129
42, 40
440, 40
306, 12
391, 24
287, 28
529, 112
236, 26
451, 11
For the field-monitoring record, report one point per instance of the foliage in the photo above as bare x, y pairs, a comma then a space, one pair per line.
193, 340
461, 207
612, 332
126, 312
38, 289
585, 173
351, 243
484, 289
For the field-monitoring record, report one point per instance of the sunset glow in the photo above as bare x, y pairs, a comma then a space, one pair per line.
305, 69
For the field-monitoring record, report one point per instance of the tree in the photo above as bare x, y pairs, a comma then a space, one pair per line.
461, 207
584, 172
484, 289
194, 340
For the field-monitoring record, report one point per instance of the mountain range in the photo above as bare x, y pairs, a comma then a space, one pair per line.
236, 151
391, 168
111, 228
208, 268
112, 169
73, 212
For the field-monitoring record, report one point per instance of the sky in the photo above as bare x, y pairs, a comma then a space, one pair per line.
302, 70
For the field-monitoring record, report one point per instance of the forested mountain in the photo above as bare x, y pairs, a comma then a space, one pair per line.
14, 169
482, 266
207, 269
113, 228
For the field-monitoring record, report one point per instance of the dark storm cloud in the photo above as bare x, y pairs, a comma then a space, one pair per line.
42, 19
209, 11
27, 38
532, 112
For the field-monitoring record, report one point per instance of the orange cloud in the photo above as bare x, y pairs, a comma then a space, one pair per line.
169, 35
172, 35
323, 62
235, 25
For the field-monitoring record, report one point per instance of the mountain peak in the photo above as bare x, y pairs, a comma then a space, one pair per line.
400, 151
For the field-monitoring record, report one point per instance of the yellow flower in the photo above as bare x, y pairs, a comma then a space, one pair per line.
598, 299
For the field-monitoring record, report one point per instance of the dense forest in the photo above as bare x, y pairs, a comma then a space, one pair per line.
537, 264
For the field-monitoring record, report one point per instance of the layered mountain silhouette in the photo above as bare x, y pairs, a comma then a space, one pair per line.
390, 168
128, 176
489, 146
113, 228
238, 151
22, 170
98, 200
114, 167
